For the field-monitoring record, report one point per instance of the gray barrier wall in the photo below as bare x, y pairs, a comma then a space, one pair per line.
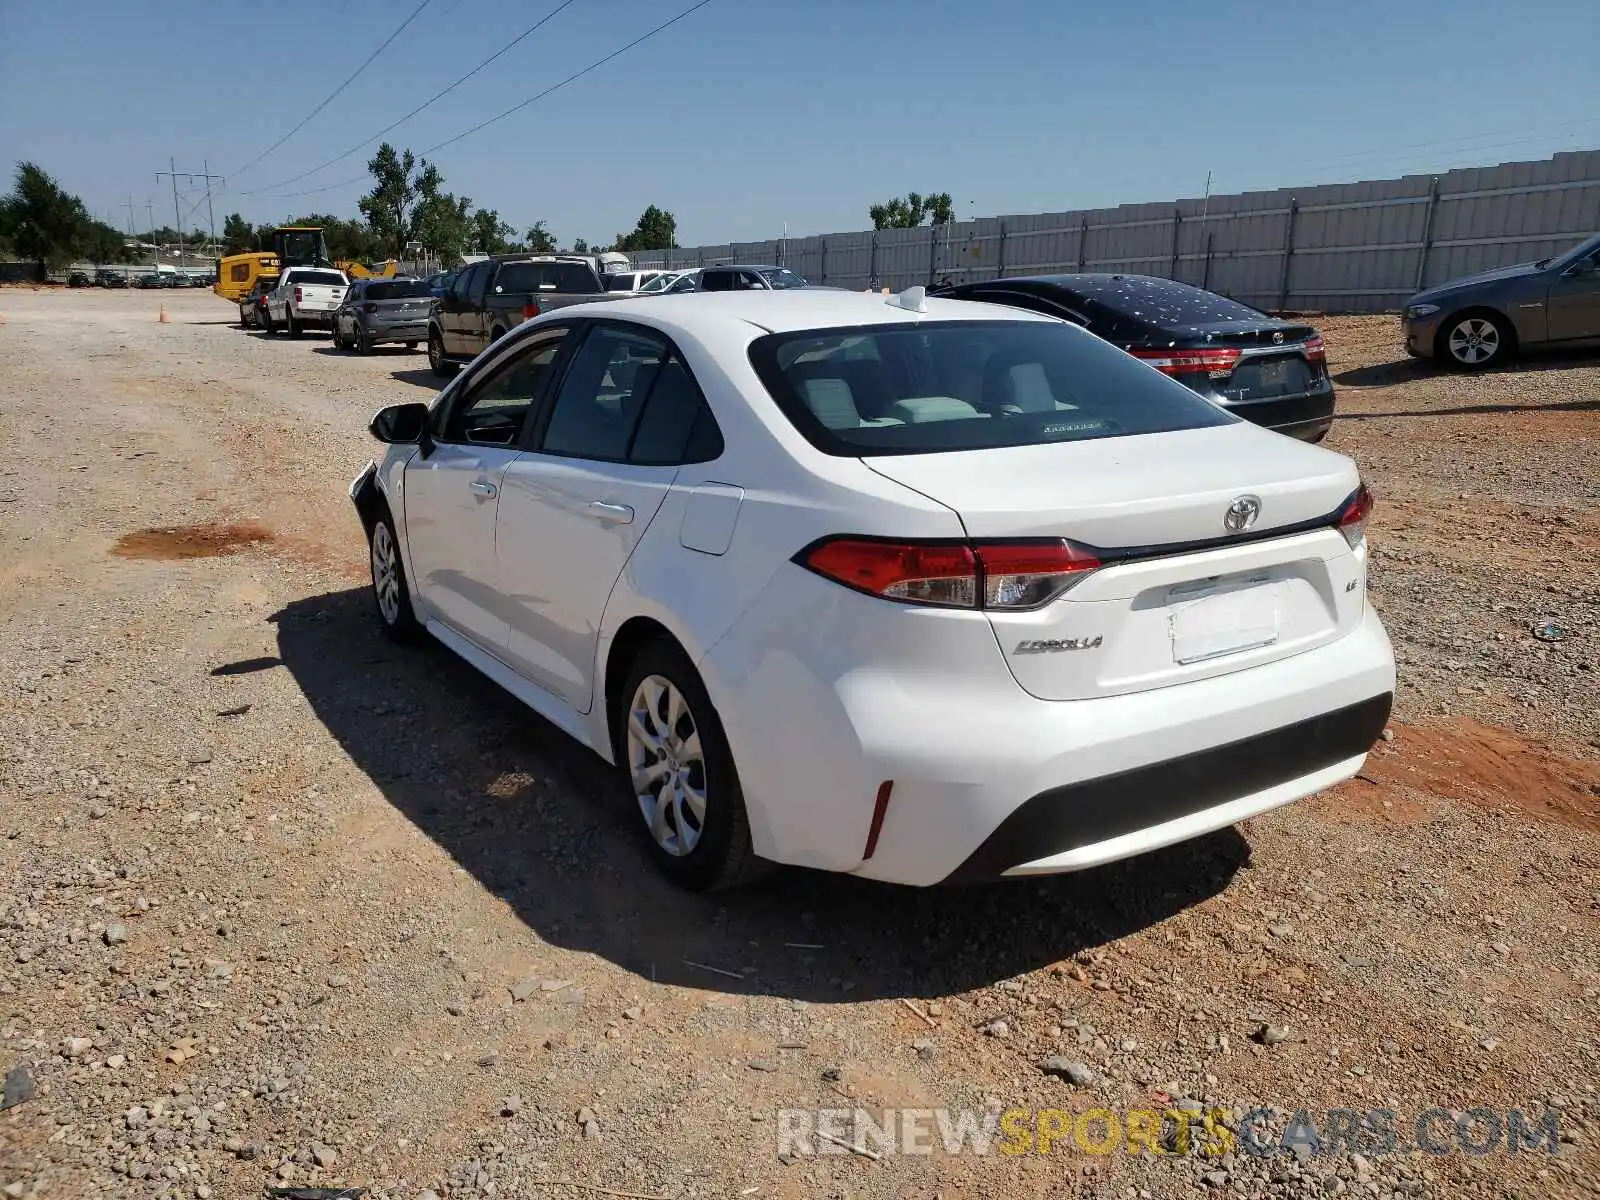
1346, 247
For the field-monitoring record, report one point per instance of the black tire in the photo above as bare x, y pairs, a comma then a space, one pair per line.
362, 341
442, 366
244, 318
496, 334
294, 325
721, 857
268, 325
1475, 340
411, 345
399, 623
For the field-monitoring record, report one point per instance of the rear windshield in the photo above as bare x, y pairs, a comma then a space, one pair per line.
401, 289
966, 385
546, 277
332, 278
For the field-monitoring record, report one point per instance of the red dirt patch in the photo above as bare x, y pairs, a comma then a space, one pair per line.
1464, 760
190, 541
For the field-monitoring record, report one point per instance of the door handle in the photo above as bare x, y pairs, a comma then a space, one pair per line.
612, 514
483, 488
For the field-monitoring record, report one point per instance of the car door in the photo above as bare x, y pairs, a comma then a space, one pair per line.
452, 493
572, 509
1573, 306
452, 312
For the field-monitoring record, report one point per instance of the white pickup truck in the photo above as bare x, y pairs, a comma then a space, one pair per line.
304, 296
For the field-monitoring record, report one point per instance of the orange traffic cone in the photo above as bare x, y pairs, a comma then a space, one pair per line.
164, 318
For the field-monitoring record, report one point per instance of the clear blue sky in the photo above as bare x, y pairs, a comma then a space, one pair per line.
753, 113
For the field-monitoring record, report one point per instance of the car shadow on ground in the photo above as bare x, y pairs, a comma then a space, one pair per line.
1404, 370
545, 825
422, 377
386, 350
1477, 409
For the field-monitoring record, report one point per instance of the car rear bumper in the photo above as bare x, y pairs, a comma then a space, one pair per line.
989, 781
413, 331
1304, 416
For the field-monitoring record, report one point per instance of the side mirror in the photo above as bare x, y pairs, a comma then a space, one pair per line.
400, 424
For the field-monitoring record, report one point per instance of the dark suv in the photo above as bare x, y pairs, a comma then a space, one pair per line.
1269, 371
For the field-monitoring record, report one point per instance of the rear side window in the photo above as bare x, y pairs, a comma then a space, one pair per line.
967, 385
546, 277
628, 397
716, 281
620, 283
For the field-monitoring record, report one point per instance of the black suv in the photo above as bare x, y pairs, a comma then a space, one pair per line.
1269, 371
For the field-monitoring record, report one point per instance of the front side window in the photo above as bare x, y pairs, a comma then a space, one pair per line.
493, 409
967, 385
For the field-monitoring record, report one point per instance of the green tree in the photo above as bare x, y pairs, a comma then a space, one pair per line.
913, 210
538, 239
238, 235
579, 246
443, 225
490, 235
408, 203
42, 222
657, 230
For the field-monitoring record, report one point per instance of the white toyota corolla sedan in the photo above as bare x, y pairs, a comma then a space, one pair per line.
922, 590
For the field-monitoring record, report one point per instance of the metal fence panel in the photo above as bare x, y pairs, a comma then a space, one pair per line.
1354, 247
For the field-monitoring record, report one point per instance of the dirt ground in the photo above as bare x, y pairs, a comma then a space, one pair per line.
281, 904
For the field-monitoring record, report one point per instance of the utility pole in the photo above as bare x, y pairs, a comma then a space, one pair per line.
179, 213
155, 253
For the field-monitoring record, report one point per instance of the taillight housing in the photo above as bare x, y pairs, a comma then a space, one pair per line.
1316, 349
1004, 576
1217, 362
297, 295
529, 311
1352, 520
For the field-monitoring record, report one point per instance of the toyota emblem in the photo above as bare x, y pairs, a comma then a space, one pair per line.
1242, 513
1277, 337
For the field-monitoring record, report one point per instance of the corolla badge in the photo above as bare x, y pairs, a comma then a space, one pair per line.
1242, 513
1053, 645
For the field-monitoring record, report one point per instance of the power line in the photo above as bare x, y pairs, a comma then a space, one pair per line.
425, 104
576, 75
416, 12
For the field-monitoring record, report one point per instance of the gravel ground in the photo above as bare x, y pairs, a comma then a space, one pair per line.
284, 905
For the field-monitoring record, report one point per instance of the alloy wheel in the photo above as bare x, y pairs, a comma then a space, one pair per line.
1474, 341
667, 765
385, 573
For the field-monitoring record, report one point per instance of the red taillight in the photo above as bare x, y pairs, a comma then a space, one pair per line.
1353, 515
297, 295
529, 311
979, 575
1316, 348
1215, 362
921, 573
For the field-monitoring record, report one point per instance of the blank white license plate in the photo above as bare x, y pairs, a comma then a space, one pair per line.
1209, 626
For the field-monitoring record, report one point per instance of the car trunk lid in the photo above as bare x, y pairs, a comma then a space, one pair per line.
1179, 595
